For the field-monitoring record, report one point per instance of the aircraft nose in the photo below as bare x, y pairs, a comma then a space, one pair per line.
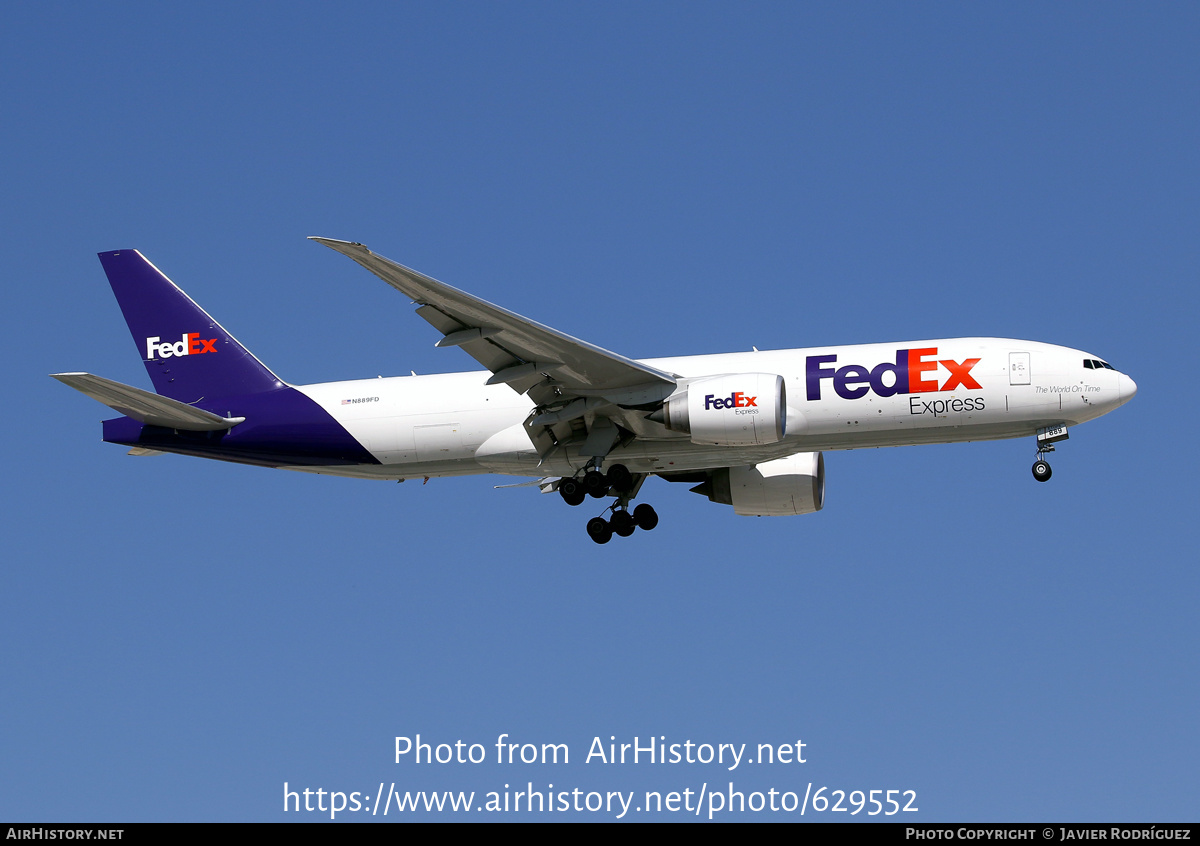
1127, 387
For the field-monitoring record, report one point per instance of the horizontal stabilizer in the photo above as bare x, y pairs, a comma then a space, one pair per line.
146, 407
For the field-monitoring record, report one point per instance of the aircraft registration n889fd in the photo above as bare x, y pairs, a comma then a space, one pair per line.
745, 429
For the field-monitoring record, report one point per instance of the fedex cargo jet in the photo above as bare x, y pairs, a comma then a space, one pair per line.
744, 429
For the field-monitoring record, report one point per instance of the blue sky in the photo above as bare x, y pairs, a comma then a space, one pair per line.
181, 637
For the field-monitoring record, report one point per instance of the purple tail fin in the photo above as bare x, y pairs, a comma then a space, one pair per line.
188, 355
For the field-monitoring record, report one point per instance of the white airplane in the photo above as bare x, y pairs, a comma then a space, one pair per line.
746, 429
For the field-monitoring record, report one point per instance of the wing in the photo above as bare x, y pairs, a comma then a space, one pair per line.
582, 394
551, 367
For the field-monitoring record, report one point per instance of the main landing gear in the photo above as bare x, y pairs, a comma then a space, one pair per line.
619, 482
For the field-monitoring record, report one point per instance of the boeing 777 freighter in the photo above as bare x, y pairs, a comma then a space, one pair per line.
746, 429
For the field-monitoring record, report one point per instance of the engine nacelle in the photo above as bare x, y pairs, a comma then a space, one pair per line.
738, 409
779, 488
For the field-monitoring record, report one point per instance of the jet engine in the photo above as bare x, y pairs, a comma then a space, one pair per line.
738, 409
785, 486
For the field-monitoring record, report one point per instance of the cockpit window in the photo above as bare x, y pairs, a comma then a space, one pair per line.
1087, 362
1097, 364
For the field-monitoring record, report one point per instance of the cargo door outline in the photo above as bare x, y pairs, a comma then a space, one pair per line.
439, 441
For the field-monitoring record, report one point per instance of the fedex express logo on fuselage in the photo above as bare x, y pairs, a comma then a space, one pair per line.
908, 375
190, 344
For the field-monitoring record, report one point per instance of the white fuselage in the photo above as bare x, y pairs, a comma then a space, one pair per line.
847, 397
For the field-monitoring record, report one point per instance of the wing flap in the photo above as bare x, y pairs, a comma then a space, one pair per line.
145, 406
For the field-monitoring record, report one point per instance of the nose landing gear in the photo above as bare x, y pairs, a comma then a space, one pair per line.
1047, 437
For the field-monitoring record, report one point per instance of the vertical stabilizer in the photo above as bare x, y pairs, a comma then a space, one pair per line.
189, 356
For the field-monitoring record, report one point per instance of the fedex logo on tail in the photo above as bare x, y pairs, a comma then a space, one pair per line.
913, 372
190, 344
